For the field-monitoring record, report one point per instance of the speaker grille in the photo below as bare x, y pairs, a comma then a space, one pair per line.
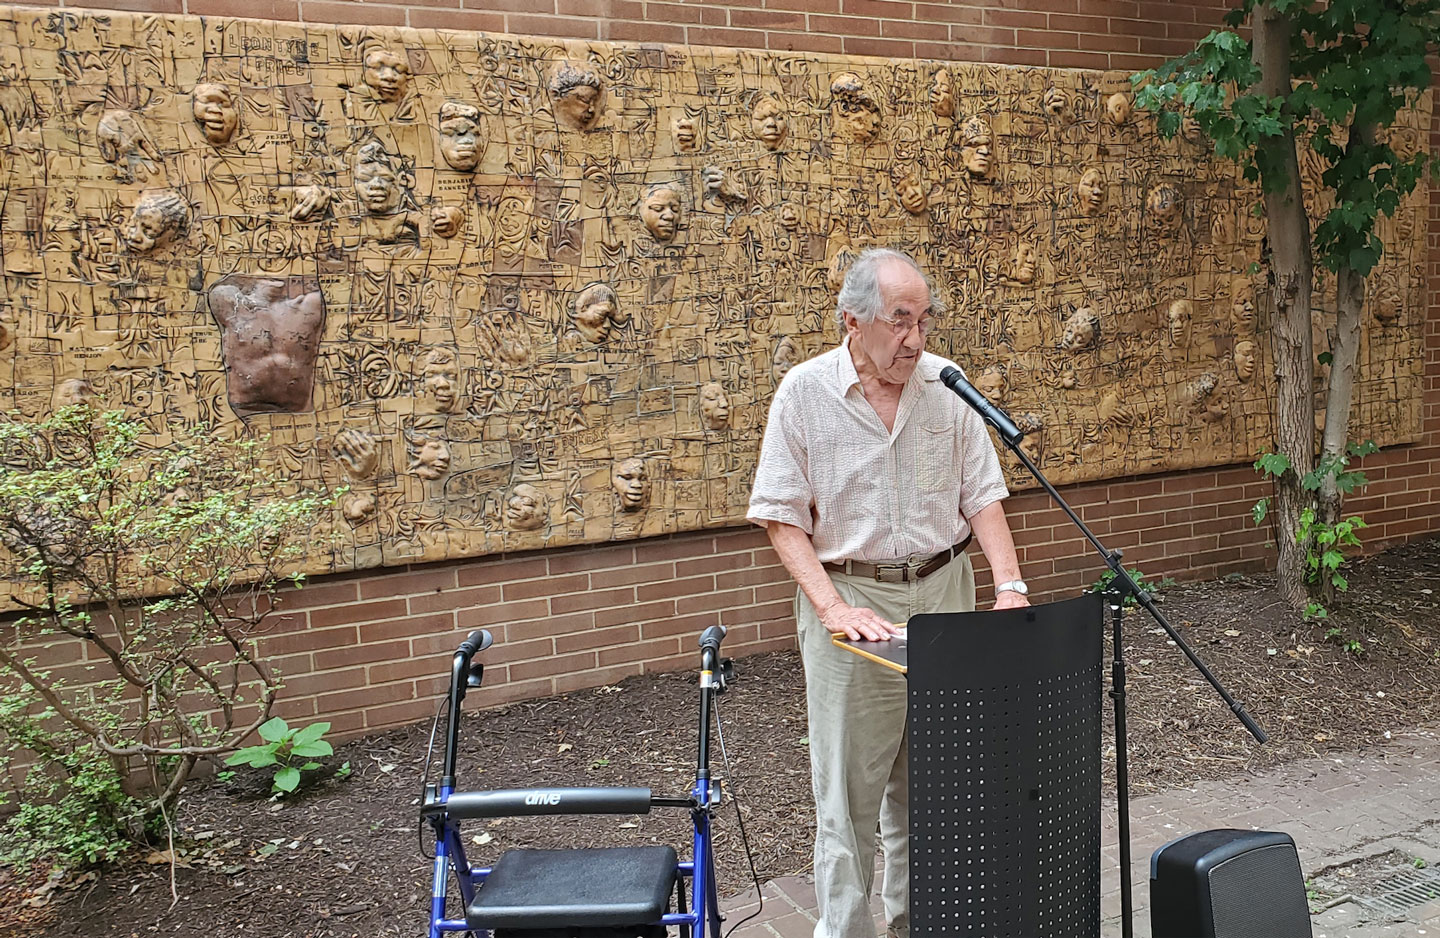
1260, 894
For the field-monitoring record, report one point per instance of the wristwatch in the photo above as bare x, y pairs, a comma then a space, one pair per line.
1014, 586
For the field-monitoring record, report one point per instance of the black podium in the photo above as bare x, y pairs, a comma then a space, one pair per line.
1004, 711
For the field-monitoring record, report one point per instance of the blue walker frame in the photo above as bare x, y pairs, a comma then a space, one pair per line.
702, 802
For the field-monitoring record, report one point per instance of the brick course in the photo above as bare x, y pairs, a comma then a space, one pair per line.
369, 650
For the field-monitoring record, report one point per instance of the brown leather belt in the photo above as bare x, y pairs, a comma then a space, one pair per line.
900, 572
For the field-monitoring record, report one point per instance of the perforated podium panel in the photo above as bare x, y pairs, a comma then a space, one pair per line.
1005, 772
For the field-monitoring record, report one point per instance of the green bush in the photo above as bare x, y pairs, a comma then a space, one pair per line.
164, 555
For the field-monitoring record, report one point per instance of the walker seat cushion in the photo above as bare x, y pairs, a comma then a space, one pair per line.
556, 888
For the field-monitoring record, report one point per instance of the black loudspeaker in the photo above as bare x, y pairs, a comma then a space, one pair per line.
1228, 884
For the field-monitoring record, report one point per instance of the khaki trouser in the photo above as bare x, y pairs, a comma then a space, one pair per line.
858, 751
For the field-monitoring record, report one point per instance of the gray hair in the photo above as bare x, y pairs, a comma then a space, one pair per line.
860, 291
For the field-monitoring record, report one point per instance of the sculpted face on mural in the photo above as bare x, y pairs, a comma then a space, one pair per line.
431, 460
125, 145
377, 185
631, 483
269, 338
1190, 130
1242, 308
575, 94
853, 107
357, 452
660, 211
788, 216
787, 354
214, 110
1090, 192
714, 406
157, 220
1204, 399
911, 191
993, 383
1118, 108
358, 508
442, 380
446, 221
1388, 305
1162, 206
73, 392
768, 121
1082, 330
685, 131
460, 143
1177, 322
1033, 443
527, 508
386, 74
942, 94
596, 311
1244, 356
975, 147
1023, 265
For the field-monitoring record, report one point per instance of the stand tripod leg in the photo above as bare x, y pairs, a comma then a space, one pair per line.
1122, 767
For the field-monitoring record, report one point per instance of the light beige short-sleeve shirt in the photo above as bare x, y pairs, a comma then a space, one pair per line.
829, 467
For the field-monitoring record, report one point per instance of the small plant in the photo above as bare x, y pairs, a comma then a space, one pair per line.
1337, 635
1151, 587
1324, 542
283, 747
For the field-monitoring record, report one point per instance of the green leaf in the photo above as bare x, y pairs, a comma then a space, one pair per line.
274, 729
310, 733
1273, 464
287, 778
317, 748
1262, 507
309, 765
256, 756
1325, 358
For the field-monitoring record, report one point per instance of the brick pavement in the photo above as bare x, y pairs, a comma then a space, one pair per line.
1356, 819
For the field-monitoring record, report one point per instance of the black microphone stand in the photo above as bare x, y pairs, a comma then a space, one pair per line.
1120, 587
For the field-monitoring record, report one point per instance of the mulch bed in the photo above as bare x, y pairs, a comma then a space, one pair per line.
344, 858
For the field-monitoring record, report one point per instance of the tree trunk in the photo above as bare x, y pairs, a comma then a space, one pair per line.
1349, 304
1291, 269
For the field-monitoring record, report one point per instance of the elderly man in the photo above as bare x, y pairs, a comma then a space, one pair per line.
872, 478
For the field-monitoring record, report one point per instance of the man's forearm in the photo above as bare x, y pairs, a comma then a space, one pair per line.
797, 553
993, 532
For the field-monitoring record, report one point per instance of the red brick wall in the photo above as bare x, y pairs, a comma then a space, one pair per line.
368, 651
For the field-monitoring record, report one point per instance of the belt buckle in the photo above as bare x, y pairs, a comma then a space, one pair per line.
891, 572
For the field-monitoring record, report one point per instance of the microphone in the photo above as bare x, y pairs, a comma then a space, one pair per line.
993, 415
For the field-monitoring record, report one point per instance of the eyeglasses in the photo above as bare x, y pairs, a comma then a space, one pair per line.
901, 327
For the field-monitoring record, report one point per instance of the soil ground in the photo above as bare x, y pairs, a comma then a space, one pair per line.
344, 858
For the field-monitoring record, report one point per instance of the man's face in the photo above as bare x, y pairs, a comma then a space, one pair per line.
942, 94
432, 460
595, 313
975, 154
525, 511
1118, 108
460, 143
1090, 192
387, 74
149, 229
215, 112
1178, 319
661, 213
1244, 360
631, 483
377, 188
993, 384
576, 108
1242, 311
1024, 262
714, 406
856, 120
768, 123
440, 382
912, 195
904, 297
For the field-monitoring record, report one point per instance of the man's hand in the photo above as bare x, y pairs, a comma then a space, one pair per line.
1009, 599
857, 623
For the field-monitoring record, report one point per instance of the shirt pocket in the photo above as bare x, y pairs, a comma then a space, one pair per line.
937, 465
